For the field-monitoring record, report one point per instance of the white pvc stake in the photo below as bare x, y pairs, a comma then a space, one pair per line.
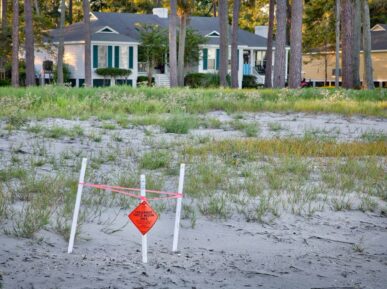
178, 208
77, 205
144, 243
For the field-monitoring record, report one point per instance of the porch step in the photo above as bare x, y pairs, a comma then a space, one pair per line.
162, 80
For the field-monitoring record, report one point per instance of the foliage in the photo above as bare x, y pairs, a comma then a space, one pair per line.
154, 43
66, 73
117, 102
249, 81
113, 72
192, 51
143, 78
205, 80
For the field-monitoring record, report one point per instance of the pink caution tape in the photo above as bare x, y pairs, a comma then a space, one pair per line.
126, 192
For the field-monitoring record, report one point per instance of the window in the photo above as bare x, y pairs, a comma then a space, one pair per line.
211, 58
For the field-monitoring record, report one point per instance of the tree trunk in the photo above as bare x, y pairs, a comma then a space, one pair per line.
356, 43
3, 15
180, 58
214, 7
150, 70
172, 45
296, 45
86, 19
15, 44
269, 51
70, 12
29, 44
280, 51
223, 30
347, 43
234, 45
61, 43
37, 10
368, 72
337, 70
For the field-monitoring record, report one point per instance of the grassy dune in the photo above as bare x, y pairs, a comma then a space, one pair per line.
112, 103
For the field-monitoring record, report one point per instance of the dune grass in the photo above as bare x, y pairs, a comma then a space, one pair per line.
115, 102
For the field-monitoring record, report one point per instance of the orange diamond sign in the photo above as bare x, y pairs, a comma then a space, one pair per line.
143, 217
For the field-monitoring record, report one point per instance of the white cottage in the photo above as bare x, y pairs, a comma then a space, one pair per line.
115, 43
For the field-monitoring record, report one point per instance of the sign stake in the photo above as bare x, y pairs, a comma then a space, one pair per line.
77, 205
144, 241
178, 208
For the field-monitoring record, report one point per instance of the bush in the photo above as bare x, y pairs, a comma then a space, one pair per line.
113, 72
195, 80
66, 73
144, 79
249, 81
5, 82
180, 124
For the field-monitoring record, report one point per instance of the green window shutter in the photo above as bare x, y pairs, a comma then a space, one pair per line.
95, 56
217, 58
116, 56
110, 56
131, 57
205, 59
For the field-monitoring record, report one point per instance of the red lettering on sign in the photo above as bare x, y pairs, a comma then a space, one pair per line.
143, 217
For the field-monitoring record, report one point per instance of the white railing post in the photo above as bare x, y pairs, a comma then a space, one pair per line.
77, 206
178, 208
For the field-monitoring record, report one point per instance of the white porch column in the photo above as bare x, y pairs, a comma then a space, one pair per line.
240, 66
251, 61
286, 65
135, 66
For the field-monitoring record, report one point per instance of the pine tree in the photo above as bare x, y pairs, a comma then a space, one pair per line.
29, 44
223, 47
87, 34
368, 73
172, 45
296, 44
280, 51
234, 45
15, 44
61, 43
269, 51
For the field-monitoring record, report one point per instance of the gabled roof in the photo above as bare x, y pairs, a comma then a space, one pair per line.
125, 25
379, 27
379, 37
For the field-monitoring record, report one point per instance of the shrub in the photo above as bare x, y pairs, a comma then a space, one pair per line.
144, 79
154, 160
113, 72
66, 73
195, 80
249, 81
179, 124
5, 82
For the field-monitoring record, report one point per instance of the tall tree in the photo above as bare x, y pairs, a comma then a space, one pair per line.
184, 7
347, 43
337, 70
3, 15
368, 72
61, 42
172, 45
29, 44
234, 45
37, 10
280, 50
223, 47
70, 12
296, 45
15, 44
356, 42
87, 33
269, 51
